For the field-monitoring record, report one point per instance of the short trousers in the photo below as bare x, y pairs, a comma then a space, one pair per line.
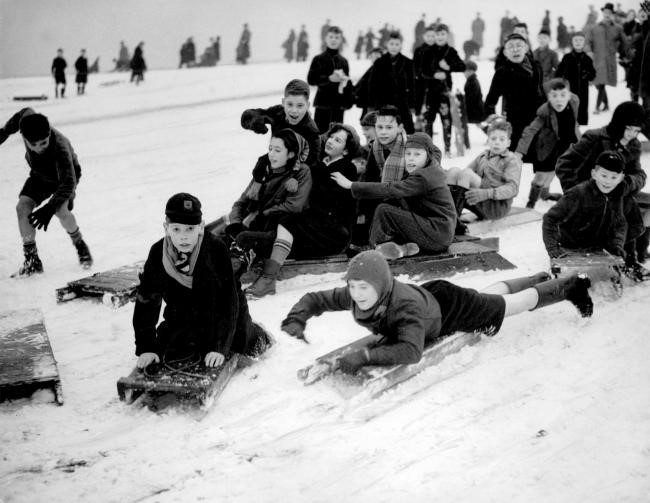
39, 190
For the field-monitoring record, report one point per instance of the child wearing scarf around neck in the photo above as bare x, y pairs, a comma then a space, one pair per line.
206, 314
409, 316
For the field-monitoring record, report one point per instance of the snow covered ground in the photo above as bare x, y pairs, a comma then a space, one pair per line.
554, 408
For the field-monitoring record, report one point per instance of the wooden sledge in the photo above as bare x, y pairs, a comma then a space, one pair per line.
116, 286
468, 253
516, 216
39, 97
374, 380
600, 266
195, 384
27, 363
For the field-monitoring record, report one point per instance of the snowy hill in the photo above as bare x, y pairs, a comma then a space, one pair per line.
554, 408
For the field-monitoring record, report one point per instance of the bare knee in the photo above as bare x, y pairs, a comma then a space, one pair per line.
24, 207
452, 175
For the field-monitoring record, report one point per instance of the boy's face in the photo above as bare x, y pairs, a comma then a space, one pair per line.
631, 132
295, 108
369, 133
279, 155
333, 40
39, 146
394, 46
387, 129
607, 15
578, 43
543, 39
429, 37
363, 293
498, 141
184, 237
515, 50
335, 144
559, 98
415, 158
441, 37
606, 180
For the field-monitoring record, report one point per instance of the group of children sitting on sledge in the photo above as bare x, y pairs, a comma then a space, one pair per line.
313, 196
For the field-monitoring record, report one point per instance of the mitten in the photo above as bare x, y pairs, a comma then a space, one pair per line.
352, 362
294, 329
261, 168
291, 185
40, 218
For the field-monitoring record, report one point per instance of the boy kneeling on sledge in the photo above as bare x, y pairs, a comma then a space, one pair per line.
206, 315
410, 316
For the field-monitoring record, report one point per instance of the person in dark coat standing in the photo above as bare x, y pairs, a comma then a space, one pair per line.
323, 34
420, 26
546, 22
206, 314
370, 41
410, 317
243, 51
81, 66
545, 56
330, 71
287, 45
602, 41
59, 65
478, 28
138, 64
563, 38
302, 45
391, 82
578, 69
473, 94
216, 50
519, 83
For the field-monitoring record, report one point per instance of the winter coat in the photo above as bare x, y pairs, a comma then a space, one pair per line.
478, 27
58, 66
575, 165
501, 172
521, 94
603, 40
430, 64
57, 165
81, 65
548, 61
412, 317
277, 118
423, 192
473, 100
578, 69
211, 316
585, 218
391, 82
327, 95
544, 131
137, 62
327, 198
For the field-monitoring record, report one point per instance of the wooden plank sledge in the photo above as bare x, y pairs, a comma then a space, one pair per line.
374, 380
196, 384
40, 97
116, 286
27, 363
516, 216
601, 267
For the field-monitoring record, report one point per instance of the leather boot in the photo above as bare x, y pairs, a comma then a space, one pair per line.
518, 284
575, 289
32, 264
265, 284
458, 195
533, 195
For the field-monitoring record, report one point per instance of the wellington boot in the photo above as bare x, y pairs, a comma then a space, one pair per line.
575, 289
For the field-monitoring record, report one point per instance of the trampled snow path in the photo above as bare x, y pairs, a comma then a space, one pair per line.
554, 408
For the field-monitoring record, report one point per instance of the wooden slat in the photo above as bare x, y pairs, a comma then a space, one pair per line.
26, 359
516, 216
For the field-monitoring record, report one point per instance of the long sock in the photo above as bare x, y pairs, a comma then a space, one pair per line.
281, 249
75, 236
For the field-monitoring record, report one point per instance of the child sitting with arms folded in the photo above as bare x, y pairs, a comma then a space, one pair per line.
417, 212
409, 316
206, 315
491, 181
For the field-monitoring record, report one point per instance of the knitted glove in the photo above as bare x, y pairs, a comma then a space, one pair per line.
291, 185
40, 218
352, 362
294, 328
475, 196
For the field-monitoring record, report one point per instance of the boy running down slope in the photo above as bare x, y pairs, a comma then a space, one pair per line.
410, 316
206, 314
54, 174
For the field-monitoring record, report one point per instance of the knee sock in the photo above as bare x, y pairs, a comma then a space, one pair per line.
518, 284
75, 236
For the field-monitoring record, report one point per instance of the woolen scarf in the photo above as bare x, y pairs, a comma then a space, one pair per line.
171, 258
393, 166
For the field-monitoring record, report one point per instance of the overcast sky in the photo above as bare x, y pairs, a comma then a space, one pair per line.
32, 30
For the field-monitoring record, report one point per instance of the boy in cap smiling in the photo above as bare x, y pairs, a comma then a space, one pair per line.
54, 174
410, 316
206, 314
